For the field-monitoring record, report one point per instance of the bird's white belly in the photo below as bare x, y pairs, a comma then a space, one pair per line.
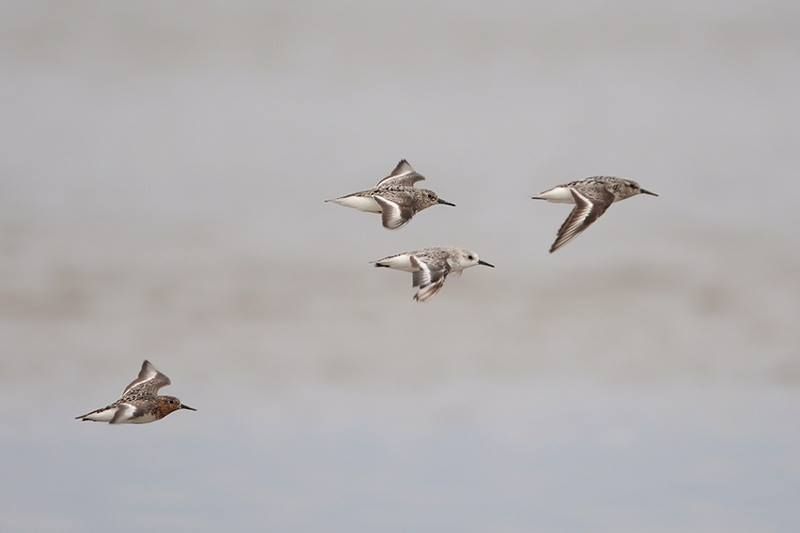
400, 262
559, 195
362, 203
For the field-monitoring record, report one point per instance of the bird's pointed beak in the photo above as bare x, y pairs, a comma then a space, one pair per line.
644, 191
484, 263
183, 406
445, 202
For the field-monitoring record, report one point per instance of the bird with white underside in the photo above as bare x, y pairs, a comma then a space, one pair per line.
395, 197
431, 266
140, 402
591, 196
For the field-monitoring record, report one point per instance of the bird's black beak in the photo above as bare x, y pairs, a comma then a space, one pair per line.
643, 191
484, 263
187, 407
444, 202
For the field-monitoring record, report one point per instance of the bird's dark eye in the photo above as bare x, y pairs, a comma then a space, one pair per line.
470, 257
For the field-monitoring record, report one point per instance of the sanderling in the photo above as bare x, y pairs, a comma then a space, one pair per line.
395, 197
591, 197
140, 402
430, 267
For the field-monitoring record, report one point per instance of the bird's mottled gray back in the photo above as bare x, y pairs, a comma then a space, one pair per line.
436, 258
145, 391
448, 258
595, 187
407, 196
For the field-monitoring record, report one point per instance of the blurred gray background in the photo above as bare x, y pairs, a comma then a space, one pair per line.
163, 167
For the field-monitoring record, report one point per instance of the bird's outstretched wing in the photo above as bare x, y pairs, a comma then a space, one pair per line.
430, 281
393, 214
149, 378
585, 212
402, 174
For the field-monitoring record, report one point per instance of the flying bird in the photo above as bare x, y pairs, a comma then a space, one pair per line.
431, 266
395, 197
140, 402
591, 196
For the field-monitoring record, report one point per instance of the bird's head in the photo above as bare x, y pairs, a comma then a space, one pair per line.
429, 198
169, 404
467, 258
626, 188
